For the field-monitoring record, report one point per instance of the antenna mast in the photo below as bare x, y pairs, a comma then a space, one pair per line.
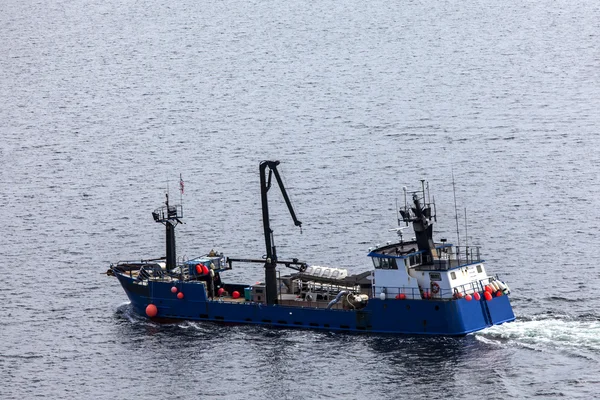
455, 209
181, 185
466, 232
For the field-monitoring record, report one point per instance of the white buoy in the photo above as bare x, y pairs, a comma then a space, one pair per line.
382, 296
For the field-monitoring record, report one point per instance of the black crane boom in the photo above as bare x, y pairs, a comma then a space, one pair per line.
271, 255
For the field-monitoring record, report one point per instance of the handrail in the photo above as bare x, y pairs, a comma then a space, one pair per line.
443, 294
441, 259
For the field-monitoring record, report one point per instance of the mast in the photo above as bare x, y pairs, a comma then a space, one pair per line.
169, 216
422, 220
271, 255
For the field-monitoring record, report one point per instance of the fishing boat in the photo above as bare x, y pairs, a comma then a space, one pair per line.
415, 287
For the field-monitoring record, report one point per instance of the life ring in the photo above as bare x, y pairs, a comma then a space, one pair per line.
435, 288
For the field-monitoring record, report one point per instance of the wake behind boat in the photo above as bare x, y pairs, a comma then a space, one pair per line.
416, 287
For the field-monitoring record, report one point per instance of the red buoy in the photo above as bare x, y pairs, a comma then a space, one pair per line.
402, 296
488, 288
235, 294
476, 296
488, 296
220, 291
151, 310
199, 268
204, 269
173, 289
498, 293
180, 295
468, 297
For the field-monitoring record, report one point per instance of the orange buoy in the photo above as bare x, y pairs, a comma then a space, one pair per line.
498, 293
488, 296
173, 289
151, 310
235, 294
220, 291
180, 295
468, 297
476, 296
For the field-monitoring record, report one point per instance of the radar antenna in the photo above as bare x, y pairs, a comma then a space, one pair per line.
399, 230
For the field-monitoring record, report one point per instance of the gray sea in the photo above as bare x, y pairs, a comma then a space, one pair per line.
103, 104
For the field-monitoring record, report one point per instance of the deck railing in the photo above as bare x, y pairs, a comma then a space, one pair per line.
444, 259
443, 294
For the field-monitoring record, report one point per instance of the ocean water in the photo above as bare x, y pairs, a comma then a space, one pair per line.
104, 104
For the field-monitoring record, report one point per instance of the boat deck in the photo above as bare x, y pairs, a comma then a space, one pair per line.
291, 300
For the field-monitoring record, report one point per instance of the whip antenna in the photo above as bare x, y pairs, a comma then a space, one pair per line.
455, 210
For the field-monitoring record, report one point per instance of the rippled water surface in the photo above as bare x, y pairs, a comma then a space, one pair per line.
104, 104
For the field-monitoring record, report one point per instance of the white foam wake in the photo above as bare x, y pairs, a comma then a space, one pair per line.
549, 333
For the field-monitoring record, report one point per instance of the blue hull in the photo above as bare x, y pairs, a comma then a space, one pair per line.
414, 317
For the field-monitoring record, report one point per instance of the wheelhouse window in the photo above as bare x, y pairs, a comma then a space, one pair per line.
435, 276
385, 263
479, 268
453, 275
